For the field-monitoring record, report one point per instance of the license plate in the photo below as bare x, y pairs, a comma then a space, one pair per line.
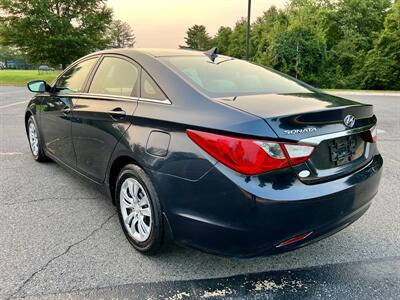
342, 150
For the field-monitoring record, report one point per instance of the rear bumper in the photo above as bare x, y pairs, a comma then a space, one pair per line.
230, 214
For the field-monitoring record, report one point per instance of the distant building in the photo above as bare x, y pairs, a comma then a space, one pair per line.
18, 64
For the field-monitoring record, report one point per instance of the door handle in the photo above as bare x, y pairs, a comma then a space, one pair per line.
118, 113
66, 110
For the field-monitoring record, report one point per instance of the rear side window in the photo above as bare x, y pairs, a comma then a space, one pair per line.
115, 76
72, 81
149, 89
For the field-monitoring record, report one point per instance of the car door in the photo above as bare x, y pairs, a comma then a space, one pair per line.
104, 113
57, 111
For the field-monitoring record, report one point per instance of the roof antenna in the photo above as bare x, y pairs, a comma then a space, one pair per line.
212, 53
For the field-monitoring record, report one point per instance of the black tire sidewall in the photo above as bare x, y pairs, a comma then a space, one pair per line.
155, 240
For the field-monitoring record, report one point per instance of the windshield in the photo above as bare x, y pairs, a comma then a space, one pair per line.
228, 77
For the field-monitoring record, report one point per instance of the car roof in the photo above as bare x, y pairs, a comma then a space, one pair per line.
155, 52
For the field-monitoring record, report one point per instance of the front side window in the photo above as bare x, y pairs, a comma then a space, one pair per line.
226, 77
149, 89
115, 76
72, 81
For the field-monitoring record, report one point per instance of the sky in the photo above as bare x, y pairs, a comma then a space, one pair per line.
163, 23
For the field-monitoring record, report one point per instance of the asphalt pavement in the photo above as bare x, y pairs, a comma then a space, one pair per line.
60, 237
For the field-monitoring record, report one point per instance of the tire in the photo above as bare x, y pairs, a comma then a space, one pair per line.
142, 223
35, 142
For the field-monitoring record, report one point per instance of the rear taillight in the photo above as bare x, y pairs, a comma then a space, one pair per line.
248, 156
298, 153
371, 135
374, 133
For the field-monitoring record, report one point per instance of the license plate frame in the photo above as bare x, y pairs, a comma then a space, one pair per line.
342, 150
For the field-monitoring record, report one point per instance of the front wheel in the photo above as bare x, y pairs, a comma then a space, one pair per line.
34, 141
139, 210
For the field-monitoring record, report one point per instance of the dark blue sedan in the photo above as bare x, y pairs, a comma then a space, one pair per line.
207, 150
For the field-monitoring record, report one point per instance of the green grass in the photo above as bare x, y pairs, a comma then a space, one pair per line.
361, 91
21, 77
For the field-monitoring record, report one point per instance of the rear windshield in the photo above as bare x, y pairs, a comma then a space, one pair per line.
228, 77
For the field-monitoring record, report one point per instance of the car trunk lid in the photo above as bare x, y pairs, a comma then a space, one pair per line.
316, 119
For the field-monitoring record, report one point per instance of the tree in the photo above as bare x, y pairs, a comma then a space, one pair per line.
328, 43
350, 34
55, 31
222, 39
300, 53
9, 53
365, 17
382, 67
264, 34
197, 38
237, 47
121, 35
294, 42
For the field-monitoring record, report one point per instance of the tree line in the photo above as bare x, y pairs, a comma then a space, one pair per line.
58, 31
328, 43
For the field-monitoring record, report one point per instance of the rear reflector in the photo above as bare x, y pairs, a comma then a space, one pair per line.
248, 156
295, 239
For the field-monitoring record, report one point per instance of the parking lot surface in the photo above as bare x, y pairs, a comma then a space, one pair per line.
59, 237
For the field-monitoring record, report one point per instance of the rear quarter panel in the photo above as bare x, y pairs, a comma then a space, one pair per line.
183, 158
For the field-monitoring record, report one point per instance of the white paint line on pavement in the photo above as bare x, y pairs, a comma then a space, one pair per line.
381, 131
11, 153
12, 92
13, 104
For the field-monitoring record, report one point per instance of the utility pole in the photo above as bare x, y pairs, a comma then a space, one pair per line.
248, 31
297, 59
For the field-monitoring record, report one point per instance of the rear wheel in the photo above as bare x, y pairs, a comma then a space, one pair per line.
35, 141
139, 210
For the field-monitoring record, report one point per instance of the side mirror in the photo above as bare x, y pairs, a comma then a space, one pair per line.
38, 86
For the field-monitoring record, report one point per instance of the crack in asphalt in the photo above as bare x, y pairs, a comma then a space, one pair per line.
49, 198
13, 295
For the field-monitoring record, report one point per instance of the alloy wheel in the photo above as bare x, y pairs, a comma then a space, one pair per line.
33, 139
136, 210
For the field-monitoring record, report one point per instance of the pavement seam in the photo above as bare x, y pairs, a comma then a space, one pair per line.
265, 277
49, 198
13, 295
